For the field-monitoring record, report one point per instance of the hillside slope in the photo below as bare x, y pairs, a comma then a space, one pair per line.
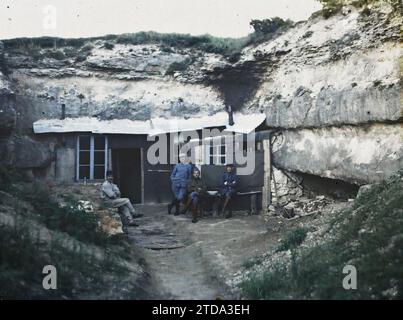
309, 261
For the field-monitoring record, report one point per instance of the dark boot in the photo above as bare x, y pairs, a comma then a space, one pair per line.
171, 205
229, 210
177, 204
131, 223
187, 206
224, 207
194, 212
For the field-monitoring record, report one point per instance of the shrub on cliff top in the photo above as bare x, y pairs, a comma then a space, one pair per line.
332, 7
228, 47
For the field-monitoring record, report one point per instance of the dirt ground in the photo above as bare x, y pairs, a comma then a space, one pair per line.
197, 261
200, 261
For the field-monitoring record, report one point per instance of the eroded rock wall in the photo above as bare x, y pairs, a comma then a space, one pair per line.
357, 154
330, 87
335, 95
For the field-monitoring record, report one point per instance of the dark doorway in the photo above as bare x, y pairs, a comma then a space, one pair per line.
126, 166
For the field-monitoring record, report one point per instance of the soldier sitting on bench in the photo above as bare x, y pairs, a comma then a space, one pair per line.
196, 189
228, 189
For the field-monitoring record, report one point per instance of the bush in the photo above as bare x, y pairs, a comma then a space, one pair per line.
178, 66
23, 258
23, 253
369, 236
331, 7
84, 52
55, 54
253, 262
228, 47
87, 48
108, 45
70, 52
68, 218
267, 26
8, 176
269, 285
293, 239
207, 43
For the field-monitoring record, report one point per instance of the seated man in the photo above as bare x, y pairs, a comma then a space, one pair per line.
229, 184
111, 196
196, 188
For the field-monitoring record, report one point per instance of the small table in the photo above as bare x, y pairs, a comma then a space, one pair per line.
253, 200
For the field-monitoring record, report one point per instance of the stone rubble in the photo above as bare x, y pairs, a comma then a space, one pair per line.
300, 207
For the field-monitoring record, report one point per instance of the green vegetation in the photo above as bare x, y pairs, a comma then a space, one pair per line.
250, 263
178, 66
293, 239
332, 7
229, 47
369, 236
23, 258
108, 45
207, 43
45, 42
266, 27
48, 47
88, 262
55, 54
68, 218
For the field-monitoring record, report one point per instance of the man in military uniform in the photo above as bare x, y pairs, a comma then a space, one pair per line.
228, 189
196, 188
110, 193
179, 181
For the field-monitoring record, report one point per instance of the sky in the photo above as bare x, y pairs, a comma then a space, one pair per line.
86, 18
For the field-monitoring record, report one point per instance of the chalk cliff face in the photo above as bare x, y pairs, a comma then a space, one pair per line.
330, 89
335, 95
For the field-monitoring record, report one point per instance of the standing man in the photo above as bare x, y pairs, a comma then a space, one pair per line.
229, 184
196, 188
179, 181
111, 196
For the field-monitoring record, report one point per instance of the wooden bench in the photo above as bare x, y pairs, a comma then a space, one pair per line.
215, 202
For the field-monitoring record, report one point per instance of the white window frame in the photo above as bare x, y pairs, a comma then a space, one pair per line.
217, 155
92, 152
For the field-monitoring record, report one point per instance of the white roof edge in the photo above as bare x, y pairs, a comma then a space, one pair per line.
244, 123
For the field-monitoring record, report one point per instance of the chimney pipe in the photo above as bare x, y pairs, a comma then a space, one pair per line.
63, 112
230, 116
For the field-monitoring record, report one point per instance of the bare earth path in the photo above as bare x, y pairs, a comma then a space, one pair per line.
195, 261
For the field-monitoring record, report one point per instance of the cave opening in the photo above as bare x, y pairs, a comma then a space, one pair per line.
334, 188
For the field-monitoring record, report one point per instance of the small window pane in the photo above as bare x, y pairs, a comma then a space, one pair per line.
99, 172
85, 157
222, 150
99, 157
99, 143
222, 160
84, 172
84, 143
215, 150
211, 160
